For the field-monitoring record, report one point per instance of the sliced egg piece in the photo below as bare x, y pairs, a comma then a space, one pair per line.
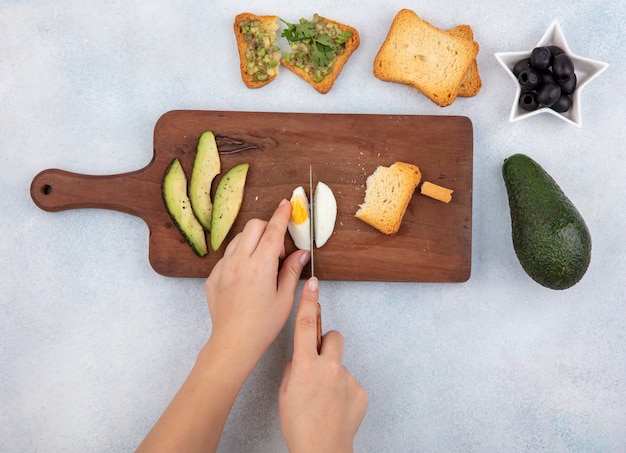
324, 214
299, 225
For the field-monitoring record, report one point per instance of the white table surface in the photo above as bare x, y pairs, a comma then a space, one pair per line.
94, 343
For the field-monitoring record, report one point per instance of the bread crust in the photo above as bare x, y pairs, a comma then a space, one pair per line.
472, 83
242, 45
324, 85
387, 195
436, 192
418, 54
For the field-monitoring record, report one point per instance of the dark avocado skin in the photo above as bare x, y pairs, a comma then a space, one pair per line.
550, 237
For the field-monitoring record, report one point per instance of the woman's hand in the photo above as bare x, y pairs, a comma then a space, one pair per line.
321, 403
250, 295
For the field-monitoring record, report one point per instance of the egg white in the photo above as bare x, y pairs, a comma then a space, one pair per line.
325, 213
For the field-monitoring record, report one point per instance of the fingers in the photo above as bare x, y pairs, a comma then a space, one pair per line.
332, 345
290, 271
246, 241
257, 231
273, 241
305, 332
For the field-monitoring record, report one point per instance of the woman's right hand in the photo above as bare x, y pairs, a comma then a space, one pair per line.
321, 404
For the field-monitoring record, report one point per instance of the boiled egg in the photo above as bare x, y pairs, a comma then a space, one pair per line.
324, 216
325, 213
299, 225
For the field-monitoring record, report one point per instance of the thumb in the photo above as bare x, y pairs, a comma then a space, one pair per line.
290, 271
305, 333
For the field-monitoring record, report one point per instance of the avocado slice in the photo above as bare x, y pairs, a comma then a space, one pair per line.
174, 192
550, 237
206, 167
228, 199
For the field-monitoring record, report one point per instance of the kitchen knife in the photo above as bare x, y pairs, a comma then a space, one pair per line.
312, 248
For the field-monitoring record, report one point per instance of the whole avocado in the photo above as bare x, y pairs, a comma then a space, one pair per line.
550, 237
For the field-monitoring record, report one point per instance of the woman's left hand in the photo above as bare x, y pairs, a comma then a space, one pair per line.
249, 293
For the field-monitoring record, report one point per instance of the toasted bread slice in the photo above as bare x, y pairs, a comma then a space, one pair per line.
387, 195
472, 83
421, 55
324, 85
258, 67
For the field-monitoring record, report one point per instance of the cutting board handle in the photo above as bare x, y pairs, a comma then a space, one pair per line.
58, 190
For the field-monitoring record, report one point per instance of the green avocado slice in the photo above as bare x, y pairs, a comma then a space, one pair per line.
206, 167
174, 192
228, 199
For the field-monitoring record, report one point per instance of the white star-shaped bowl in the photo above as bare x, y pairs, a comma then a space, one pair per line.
586, 70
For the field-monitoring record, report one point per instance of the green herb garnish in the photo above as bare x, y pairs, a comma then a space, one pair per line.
298, 32
324, 47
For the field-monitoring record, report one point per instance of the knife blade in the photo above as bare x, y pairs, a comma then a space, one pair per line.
312, 248
312, 220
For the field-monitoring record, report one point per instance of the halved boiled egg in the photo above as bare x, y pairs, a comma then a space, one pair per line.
299, 225
324, 216
325, 213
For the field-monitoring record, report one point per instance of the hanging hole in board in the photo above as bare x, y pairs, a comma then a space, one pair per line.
46, 189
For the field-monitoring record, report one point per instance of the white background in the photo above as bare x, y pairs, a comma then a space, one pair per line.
94, 343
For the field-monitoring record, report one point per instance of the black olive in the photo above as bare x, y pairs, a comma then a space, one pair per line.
568, 86
520, 66
555, 50
562, 67
546, 78
529, 79
548, 94
541, 58
528, 101
563, 104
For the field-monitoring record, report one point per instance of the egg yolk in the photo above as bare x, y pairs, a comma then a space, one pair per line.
299, 210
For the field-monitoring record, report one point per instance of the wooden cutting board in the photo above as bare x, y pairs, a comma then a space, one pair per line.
434, 241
